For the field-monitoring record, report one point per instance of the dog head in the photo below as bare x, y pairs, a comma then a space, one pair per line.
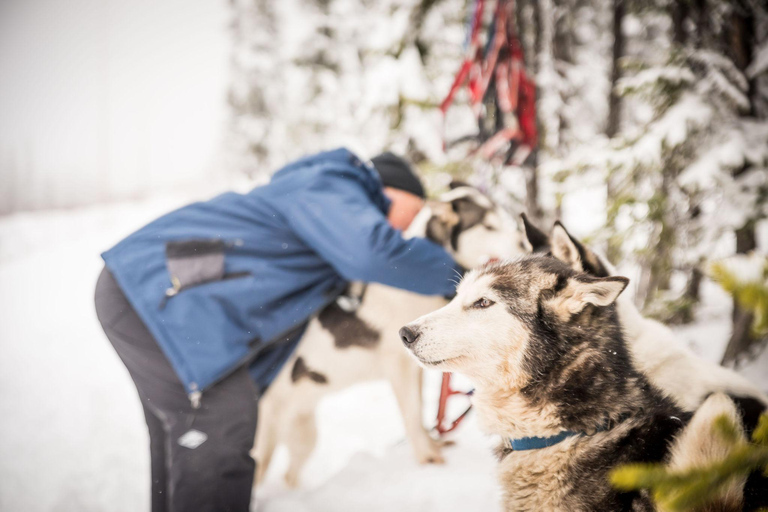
513, 323
471, 227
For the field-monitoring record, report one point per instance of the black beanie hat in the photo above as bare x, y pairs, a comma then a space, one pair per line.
395, 172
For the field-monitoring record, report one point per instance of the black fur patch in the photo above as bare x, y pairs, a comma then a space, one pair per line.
750, 409
348, 329
300, 369
470, 215
646, 443
438, 231
457, 184
536, 237
756, 488
589, 260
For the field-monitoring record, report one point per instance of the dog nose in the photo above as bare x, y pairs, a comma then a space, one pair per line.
409, 335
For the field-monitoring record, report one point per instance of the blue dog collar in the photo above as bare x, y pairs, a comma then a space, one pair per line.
535, 443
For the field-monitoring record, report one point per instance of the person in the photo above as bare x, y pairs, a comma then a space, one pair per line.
206, 303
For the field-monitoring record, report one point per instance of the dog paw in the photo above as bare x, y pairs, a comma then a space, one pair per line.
432, 459
431, 453
291, 480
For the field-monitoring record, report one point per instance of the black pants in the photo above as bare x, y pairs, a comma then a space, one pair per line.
200, 457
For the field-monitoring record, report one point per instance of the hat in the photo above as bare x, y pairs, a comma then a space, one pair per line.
396, 173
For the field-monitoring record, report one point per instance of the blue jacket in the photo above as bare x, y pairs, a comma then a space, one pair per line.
218, 281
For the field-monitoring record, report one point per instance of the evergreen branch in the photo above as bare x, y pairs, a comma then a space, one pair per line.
684, 490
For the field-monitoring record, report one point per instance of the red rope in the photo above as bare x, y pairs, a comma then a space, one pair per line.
515, 91
445, 392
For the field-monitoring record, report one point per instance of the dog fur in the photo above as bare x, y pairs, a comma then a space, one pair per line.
342, 348
656, 350
545, 349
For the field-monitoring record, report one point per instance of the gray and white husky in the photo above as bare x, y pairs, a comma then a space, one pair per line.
554, 378
343, 346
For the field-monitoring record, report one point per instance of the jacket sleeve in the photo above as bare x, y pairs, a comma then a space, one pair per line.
338, 220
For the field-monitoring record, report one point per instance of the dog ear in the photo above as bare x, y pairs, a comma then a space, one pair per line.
469, 211
566, 248
583, 290
458, 183
538, 240
441, 224
575, 254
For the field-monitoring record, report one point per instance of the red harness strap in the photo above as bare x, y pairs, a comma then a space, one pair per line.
504, 62
445, 392
474, 46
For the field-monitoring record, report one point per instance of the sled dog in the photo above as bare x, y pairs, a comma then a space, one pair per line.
554, 379
345, 345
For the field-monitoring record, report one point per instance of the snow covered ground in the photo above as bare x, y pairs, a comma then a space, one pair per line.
72, 437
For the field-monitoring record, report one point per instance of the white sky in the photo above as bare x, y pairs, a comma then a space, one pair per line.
108, 98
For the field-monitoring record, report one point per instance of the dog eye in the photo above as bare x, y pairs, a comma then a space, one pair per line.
490, 228
482, 303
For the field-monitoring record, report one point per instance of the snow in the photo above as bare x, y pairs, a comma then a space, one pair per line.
107, 99
673, 75
759, 63
74, 438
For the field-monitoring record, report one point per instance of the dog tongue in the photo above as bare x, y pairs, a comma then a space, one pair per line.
491, 260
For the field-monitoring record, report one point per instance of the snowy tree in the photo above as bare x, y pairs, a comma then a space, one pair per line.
310, 75
686, 166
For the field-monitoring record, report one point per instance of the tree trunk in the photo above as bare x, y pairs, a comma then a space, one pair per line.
738, 43
659, 260
562, 45
614, 101
613, 250
532, 206
679, 12
703, 33
683, 314
741, 334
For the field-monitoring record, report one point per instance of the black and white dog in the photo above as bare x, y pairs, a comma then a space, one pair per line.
344, 345
554, 378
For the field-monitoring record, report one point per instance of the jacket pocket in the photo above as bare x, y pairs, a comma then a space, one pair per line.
195, 262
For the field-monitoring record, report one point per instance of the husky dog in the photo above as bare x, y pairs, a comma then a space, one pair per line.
554, 378
346, 345
661, 355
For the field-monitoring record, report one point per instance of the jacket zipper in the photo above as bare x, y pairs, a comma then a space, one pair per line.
176, 288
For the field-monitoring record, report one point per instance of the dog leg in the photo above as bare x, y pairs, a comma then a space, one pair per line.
266, 440
301, 436
405, 377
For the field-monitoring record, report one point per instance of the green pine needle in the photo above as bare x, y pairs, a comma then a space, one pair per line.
685, 490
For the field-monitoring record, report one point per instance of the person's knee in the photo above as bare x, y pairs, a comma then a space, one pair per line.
221, 444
